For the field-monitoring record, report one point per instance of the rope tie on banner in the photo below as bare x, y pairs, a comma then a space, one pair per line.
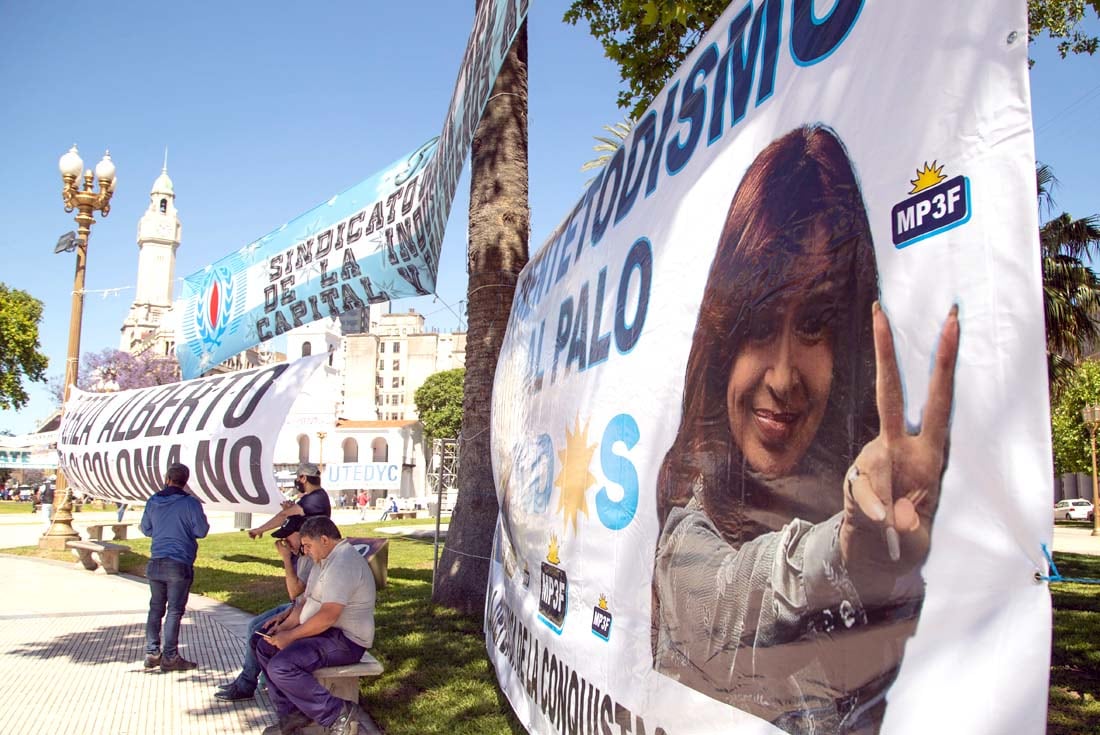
463, 553
1056, 576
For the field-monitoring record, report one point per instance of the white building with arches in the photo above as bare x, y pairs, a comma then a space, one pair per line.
356, 416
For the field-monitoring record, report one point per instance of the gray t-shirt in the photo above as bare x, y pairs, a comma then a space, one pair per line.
344, 577
303, 565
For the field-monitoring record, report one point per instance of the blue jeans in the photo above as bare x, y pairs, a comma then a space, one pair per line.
169, 585
250, 673
290, 682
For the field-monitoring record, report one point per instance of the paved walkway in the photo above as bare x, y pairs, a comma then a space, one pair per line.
1076, 539
71, 650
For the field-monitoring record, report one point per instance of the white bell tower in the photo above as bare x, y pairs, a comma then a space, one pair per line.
157, 238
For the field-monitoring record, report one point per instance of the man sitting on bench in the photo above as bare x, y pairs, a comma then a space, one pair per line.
331, 625
296, 568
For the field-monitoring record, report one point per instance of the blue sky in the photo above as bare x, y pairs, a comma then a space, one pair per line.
268, 109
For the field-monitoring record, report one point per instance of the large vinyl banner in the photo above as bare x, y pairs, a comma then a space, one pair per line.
118, 446
377, 241
770, 429
29, 451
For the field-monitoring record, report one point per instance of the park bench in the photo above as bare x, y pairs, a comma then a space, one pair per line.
397, 515
343, 682
95, 531
92, 551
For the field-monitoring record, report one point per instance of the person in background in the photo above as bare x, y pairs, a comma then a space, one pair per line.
45, 494
362, 501
175, 520
314, 501
121, 510
296, 569
391, 508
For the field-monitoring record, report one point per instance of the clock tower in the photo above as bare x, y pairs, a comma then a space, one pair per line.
148, 325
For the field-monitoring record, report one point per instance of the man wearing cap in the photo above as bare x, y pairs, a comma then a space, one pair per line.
313, 501
175, 520
331, 625
296, 568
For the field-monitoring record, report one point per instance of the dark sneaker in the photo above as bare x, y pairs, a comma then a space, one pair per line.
179, 663
291, 724
233, 692
152, 660
347, 722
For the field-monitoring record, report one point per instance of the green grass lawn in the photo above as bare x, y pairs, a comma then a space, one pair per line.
11, 507
1075, 653
438, 678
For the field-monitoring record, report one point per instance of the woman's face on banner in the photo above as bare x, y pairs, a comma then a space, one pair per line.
780, 379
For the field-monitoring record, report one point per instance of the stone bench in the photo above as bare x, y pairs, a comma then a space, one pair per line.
95, 530
397, 515
103, 552
343, 682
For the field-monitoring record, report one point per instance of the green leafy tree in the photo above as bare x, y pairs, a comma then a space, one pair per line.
1071, 289
1069, 434
439, 403
649, 39
20, 358
1061, 20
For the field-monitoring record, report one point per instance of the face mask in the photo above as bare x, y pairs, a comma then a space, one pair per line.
299, 486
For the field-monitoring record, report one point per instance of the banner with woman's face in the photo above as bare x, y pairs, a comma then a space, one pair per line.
773, 396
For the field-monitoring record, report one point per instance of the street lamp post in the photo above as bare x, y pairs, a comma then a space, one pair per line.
86, 200
1091, 415
321, 450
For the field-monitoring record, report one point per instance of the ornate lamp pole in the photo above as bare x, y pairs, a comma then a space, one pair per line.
86, 200
1091, 415
321, 450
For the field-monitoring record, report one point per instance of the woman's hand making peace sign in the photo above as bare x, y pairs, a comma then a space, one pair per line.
892, 490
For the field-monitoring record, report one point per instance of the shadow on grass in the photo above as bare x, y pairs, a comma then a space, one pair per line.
248, 559
1075, 660
229, 582
438, 678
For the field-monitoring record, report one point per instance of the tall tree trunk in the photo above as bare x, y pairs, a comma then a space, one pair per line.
499, 231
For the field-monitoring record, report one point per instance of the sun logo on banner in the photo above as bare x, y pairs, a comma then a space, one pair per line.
216, 301
927, 177
574, 478
552, 552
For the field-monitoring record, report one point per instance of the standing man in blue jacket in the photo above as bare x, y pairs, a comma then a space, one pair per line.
175, 520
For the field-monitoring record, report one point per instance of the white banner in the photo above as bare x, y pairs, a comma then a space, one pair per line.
118, 446
715, 518
362, 476
29, 451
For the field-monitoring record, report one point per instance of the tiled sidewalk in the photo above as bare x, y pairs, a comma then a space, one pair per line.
71, 648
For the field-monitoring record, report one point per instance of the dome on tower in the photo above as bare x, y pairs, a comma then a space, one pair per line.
163, 184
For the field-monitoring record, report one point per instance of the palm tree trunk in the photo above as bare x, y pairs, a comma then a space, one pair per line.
497, 251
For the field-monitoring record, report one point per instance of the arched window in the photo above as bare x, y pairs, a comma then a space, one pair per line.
351, 450
163, 206
380, 450
307, 349
303, 448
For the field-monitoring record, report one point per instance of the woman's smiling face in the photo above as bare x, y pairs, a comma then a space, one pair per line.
780, 379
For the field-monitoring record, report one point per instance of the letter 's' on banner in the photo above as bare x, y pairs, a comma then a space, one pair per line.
118, 446
376, 241
770, 420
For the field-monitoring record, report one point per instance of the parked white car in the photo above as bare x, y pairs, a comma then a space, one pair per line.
1073, 510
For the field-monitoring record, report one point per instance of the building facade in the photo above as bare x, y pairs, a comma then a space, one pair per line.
356, 416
